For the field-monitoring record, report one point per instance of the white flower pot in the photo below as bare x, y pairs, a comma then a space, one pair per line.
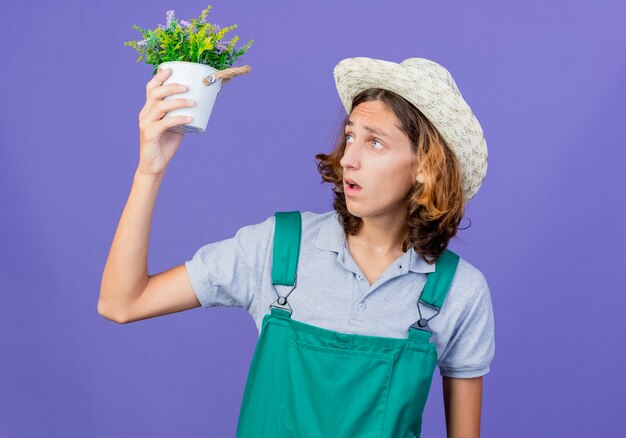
191, 74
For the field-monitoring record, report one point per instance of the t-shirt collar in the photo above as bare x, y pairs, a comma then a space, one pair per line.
332, 237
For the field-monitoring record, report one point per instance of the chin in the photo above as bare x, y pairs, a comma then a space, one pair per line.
352, 209
356, 210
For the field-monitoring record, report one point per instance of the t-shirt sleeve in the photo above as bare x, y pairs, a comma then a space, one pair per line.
228, 272
472, 345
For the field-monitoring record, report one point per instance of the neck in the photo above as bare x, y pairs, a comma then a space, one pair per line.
381, 235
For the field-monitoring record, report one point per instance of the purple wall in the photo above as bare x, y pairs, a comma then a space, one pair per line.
547, 83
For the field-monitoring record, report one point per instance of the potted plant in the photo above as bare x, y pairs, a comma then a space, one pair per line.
198, 57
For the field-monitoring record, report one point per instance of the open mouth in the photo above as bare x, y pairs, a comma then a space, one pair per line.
351, 186
350, 183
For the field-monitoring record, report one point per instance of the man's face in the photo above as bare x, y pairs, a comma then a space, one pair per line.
380, 162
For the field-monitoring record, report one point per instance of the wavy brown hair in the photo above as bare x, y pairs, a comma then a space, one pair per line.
434, 208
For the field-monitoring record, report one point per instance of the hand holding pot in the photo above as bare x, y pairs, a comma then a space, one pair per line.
157, 144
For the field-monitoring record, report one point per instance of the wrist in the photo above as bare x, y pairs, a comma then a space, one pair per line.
148, 177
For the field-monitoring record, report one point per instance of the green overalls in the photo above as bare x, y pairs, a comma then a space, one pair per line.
310, 382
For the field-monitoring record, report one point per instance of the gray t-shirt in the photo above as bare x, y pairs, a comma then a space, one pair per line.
332, 292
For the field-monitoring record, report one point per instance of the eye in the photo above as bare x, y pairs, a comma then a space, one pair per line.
375, 140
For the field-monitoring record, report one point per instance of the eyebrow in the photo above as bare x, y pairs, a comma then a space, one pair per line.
370, 129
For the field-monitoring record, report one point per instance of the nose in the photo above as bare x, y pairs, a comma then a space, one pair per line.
350, 156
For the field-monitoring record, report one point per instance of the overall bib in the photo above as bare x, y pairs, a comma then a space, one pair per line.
310, 382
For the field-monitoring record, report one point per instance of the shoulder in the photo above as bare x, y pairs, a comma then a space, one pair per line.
468, 283
312, 217
466, 337
468, 296
313, 221
309, 218
263, 231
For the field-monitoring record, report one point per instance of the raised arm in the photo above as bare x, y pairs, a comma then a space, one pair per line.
127, 292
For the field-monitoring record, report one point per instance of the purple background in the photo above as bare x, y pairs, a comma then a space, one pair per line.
547, 83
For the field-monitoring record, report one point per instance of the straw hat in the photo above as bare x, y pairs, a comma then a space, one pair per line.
429, 87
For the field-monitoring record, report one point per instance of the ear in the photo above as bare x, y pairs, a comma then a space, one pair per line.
420, 176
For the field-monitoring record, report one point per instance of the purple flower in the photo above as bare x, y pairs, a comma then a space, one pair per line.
142, 43
184, 24
221, 45
169, 16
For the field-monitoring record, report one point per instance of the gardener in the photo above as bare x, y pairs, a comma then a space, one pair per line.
355, 306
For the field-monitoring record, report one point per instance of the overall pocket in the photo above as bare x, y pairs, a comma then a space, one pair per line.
335, 392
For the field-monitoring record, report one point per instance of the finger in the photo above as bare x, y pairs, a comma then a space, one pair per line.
170, 121
162, 107
162, 91
157, 80
155, 97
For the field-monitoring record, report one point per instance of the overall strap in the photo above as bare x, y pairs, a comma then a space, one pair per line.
438, 282
286, 251
435, 291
